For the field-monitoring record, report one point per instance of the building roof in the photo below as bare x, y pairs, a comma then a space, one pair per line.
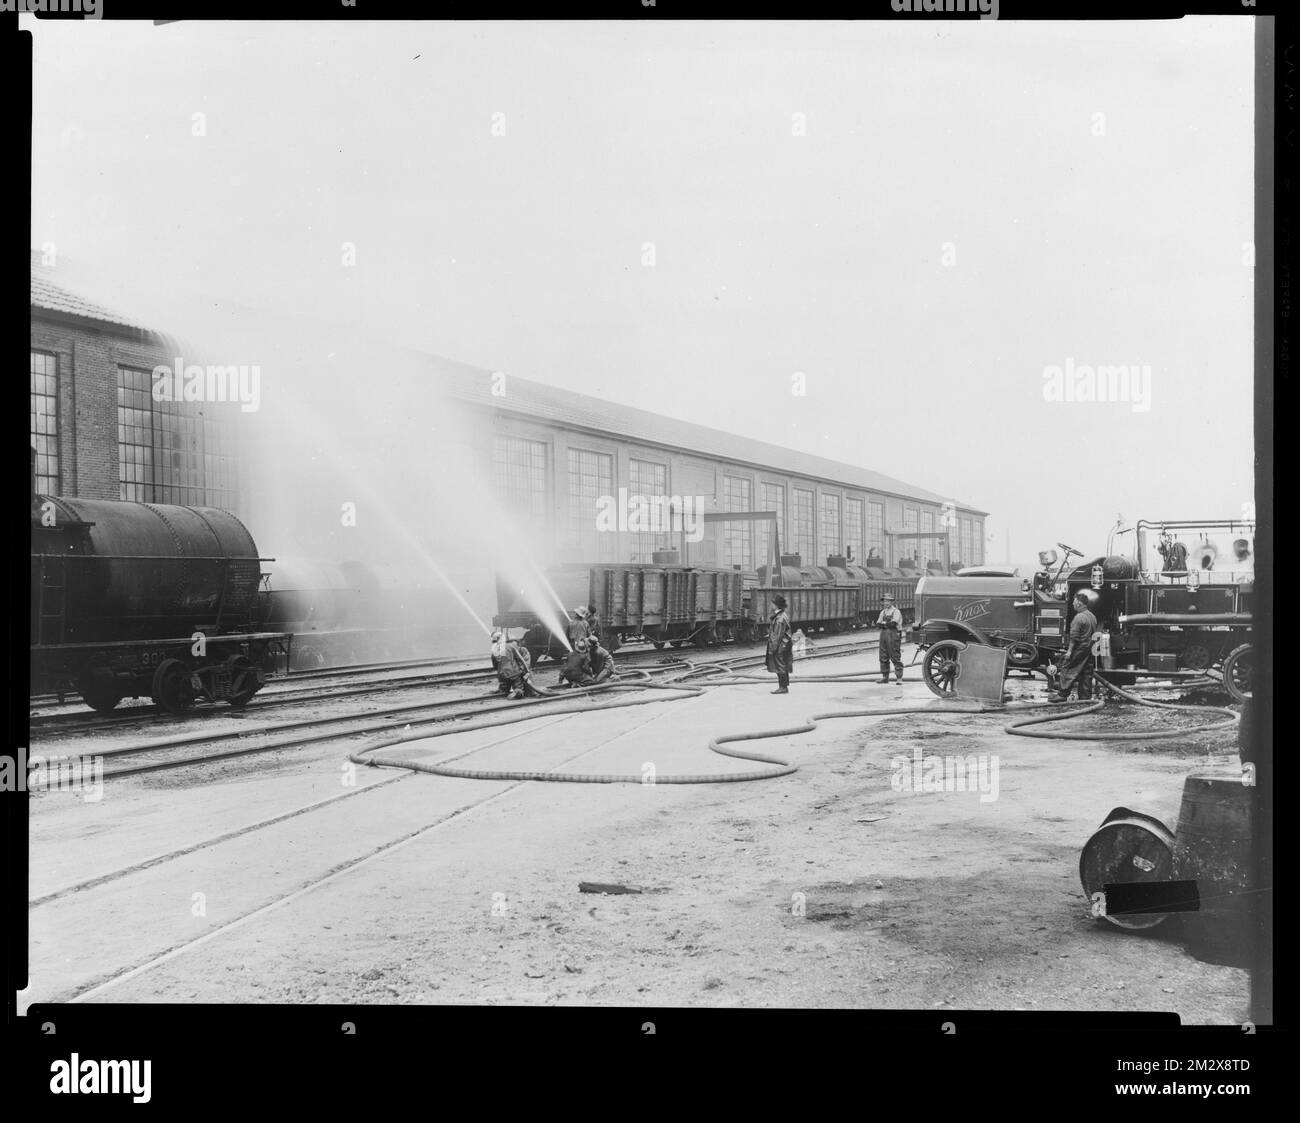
565, 407
49, 295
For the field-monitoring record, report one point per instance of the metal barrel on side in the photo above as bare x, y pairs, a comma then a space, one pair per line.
1213, 849
1128, 847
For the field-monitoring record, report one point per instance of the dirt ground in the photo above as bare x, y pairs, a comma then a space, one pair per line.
827, 888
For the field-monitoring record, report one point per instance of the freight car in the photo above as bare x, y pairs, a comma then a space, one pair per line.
834, 612
663, 604
672, 604
137, 599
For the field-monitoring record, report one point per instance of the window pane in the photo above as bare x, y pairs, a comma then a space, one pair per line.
875, 529
591, 476
44, 417
737, 537
647, 480
803, 526
830, 528
773, 500
853, 528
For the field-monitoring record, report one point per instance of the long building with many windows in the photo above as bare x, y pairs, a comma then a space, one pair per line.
552, 456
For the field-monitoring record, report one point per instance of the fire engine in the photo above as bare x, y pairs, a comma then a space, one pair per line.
1181, 608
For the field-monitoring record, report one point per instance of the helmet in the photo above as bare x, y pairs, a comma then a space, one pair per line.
581, 645
889, 597
580, 612
496, 635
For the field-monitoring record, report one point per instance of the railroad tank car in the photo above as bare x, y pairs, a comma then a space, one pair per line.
350, 612
139, 599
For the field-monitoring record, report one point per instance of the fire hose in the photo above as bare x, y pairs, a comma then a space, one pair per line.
724, 675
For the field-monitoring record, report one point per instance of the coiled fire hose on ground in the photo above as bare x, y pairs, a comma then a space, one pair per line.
722, 674
1020, 728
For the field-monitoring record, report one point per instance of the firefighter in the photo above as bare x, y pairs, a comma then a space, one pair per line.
780, 646
1076, 664
514, 672
1174, 553
890, 623
1243, 564
577, 666
578, 628
593, 624
602, 663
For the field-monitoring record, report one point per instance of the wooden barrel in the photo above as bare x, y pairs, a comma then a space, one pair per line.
1127, 847
1213, 848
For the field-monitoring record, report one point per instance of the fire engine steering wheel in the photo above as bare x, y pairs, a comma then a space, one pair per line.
1070, 549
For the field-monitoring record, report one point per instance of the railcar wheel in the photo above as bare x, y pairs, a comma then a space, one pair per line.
172, 690
1239, 672
243, 681
659, 644
1195, 657
98, 690
940, 669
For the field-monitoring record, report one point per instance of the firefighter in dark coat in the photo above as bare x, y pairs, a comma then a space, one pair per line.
514, 672
577, 666
602, 663
1076, 664
780, 646
578, 627
890, 623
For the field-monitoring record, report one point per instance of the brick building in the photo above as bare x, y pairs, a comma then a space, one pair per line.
97, 431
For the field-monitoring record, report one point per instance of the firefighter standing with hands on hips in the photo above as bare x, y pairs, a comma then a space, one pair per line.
1076, 663
890, 623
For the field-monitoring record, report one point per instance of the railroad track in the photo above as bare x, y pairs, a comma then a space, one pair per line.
277, 695
192, 749
683, 669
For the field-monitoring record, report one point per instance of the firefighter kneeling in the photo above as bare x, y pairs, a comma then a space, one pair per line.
586, 665
512, 666
1076, 663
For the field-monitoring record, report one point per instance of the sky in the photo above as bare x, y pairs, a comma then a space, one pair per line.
919, 219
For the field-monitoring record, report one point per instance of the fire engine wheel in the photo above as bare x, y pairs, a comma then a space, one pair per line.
1238, 672
940, 669
171, 687
243, 681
